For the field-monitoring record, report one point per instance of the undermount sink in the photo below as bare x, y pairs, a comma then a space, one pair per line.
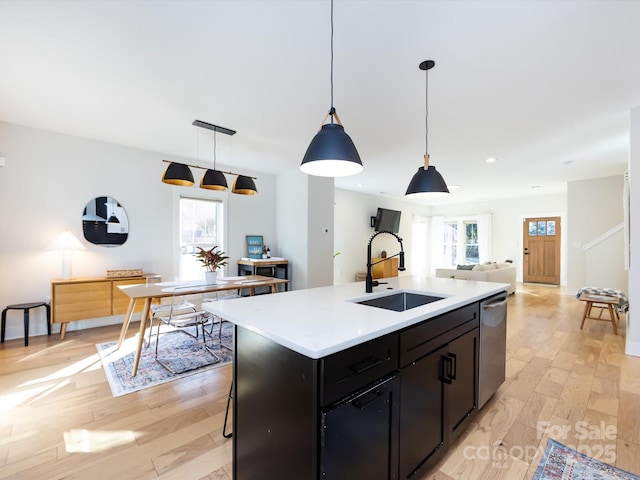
400, 301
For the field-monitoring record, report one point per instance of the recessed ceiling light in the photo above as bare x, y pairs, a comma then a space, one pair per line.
360, 185
490, 160
453, 187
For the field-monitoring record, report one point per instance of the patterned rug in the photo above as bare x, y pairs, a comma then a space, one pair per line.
563, 463
177, 349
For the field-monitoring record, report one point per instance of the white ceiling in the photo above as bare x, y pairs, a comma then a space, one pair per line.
543, 86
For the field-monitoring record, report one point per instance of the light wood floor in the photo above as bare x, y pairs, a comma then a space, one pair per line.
59, 420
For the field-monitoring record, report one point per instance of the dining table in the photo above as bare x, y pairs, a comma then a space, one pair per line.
151, 292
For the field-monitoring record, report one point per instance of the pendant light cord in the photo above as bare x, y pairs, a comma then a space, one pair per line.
214, 149
332, 110
426, 108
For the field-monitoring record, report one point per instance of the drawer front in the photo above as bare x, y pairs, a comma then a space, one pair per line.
345, 372
78, 301
418, 341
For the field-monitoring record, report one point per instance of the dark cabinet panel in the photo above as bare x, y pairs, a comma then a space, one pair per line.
274, 411
438, 395
431, 334
421, 426
359, 436
462, 392
350, 370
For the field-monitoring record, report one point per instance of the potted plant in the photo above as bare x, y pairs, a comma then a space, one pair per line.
212, 259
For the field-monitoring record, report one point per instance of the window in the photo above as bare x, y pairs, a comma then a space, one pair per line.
200, 226
450, 246
460, 249
460, 240
471, 243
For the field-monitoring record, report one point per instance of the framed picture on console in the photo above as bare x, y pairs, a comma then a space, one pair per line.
254, 246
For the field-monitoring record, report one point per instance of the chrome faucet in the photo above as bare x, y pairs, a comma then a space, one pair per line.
369, 282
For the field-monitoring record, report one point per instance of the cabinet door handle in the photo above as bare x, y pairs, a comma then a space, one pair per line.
367, 399
367, 363
454, 365
444, 375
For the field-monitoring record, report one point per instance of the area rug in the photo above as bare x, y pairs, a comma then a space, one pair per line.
180, 351
563, 463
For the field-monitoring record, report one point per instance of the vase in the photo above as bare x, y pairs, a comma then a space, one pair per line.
210, 277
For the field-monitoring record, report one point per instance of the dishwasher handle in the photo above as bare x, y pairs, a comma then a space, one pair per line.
495, 303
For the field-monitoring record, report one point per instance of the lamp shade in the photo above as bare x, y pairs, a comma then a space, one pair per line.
178, 174
427, 184
65, 242
214, 180
244, 186
331, 153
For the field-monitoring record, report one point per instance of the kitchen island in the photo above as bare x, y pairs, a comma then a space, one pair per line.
326, 387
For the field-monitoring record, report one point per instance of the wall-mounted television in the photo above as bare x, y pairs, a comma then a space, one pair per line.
387, 220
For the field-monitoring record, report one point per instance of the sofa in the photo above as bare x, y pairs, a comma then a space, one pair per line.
490, 272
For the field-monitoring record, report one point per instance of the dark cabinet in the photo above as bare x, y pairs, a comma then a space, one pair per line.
384, 409
438, 390
421, 426
359, 435
462, 391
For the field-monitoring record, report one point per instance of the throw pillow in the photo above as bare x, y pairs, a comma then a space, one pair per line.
465, 267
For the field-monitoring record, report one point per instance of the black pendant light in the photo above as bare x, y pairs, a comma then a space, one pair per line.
214, 179
331, 153
244, 185
427, 182
178, 174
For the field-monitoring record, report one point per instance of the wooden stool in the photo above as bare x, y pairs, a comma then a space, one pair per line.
25, 307
603, 302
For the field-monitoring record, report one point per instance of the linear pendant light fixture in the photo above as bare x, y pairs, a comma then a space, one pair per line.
427, 182
331, 153
213, 179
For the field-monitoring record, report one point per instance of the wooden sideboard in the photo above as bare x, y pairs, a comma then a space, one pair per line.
91, 297
388, 268
262, 265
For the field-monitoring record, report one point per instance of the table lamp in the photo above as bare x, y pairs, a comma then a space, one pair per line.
66, 243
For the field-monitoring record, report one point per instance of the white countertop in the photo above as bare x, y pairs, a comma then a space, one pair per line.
317, 322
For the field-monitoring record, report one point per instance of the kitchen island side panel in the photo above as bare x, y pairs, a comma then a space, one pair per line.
275, 421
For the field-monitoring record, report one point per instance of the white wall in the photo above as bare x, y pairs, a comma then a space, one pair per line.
305, 210
595, 208
47, 181
353, 230
320, 231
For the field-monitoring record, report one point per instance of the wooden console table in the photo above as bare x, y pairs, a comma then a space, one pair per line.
81, 298
384, 267
250, 267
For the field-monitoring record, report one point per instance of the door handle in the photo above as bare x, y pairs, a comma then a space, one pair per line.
368, 363
454, 365
445, 376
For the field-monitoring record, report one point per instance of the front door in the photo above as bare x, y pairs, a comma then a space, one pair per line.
541, 259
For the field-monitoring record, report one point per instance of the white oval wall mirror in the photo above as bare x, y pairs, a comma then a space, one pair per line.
104, 222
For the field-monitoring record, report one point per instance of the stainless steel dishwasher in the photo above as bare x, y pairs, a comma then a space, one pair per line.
493, 346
